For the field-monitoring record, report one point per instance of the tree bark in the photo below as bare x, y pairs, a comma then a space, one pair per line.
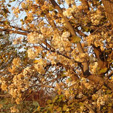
108, 5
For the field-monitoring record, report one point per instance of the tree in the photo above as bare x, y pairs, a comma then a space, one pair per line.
62, 51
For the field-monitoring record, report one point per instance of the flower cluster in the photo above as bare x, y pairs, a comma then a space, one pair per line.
96, 18
61, 42
20, 83
16, 62
68, 12
40, 66
46, 31
35, 38
70, 2
96, 40
32, 53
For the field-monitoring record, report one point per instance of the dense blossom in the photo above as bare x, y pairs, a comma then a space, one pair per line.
35, 38
63, 60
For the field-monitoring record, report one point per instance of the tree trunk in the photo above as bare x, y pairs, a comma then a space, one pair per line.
108, 4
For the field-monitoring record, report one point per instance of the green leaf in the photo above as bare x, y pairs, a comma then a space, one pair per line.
108, 91
63, 73
69, 79
6, 22
110, 104
112, 64
49, 101
103, 70
59, 109
75, 39
65, 107
35, 103
56, 97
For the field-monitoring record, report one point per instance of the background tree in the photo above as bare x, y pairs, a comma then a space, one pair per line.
61, 58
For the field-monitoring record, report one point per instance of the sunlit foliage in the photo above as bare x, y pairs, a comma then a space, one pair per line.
56, 56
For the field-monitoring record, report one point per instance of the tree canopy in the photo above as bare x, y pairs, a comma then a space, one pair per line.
56, 56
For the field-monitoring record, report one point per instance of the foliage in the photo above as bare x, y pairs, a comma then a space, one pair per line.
56, 56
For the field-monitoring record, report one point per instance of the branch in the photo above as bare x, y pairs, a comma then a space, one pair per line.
71, 29
89, 96
101, 81
7, 95
108, 5
53, 50
13, 31
85, 5
90, 109
2, 24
